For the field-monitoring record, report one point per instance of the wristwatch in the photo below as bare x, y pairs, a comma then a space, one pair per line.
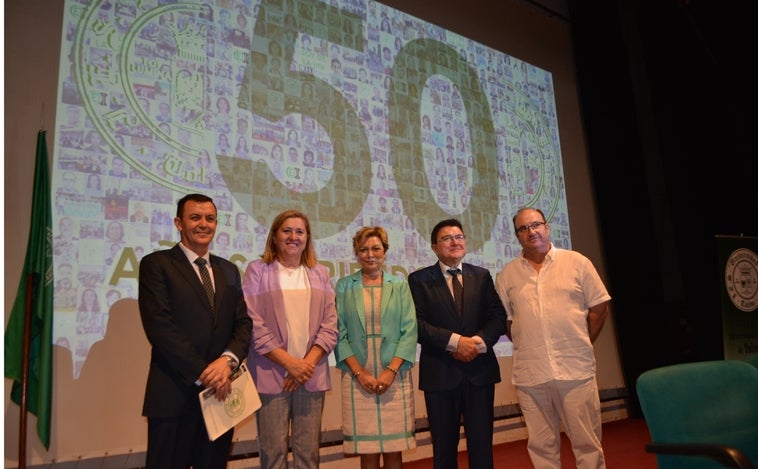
231, 361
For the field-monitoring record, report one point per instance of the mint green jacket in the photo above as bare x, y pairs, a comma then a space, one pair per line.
399, 332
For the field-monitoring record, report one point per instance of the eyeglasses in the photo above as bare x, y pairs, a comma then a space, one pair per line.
450, 238
531, 226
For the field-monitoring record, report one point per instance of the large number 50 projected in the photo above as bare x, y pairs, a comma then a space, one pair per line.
429, 58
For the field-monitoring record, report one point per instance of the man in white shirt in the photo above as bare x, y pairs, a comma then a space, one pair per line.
556, 305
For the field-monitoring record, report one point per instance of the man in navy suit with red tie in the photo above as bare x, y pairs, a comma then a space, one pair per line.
457, 330
198, 334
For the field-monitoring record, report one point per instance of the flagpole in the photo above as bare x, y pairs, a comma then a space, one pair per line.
26, 347
25, 372
29, 333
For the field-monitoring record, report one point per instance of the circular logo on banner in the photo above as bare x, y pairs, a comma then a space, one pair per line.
742, 279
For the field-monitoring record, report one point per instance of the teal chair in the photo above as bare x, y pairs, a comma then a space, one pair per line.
702, 415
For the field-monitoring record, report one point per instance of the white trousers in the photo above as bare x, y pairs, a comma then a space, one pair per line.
577, 405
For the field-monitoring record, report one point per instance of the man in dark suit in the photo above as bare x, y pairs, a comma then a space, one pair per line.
199, 331
457, 330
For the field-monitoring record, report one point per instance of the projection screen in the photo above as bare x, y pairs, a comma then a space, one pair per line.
351, 111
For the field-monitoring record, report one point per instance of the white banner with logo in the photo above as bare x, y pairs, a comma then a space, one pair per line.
738, 264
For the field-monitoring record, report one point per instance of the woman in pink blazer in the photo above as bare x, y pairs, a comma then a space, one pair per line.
290, 299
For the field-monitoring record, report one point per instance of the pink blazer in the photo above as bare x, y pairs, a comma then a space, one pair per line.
263, 295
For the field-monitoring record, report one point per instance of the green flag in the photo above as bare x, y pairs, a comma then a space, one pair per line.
39, 265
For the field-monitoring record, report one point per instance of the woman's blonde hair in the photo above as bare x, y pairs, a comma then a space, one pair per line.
368, 232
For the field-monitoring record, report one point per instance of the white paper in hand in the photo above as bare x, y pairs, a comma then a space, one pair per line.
241, 403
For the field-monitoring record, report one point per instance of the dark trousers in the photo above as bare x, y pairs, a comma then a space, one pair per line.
182, 442
474, 406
